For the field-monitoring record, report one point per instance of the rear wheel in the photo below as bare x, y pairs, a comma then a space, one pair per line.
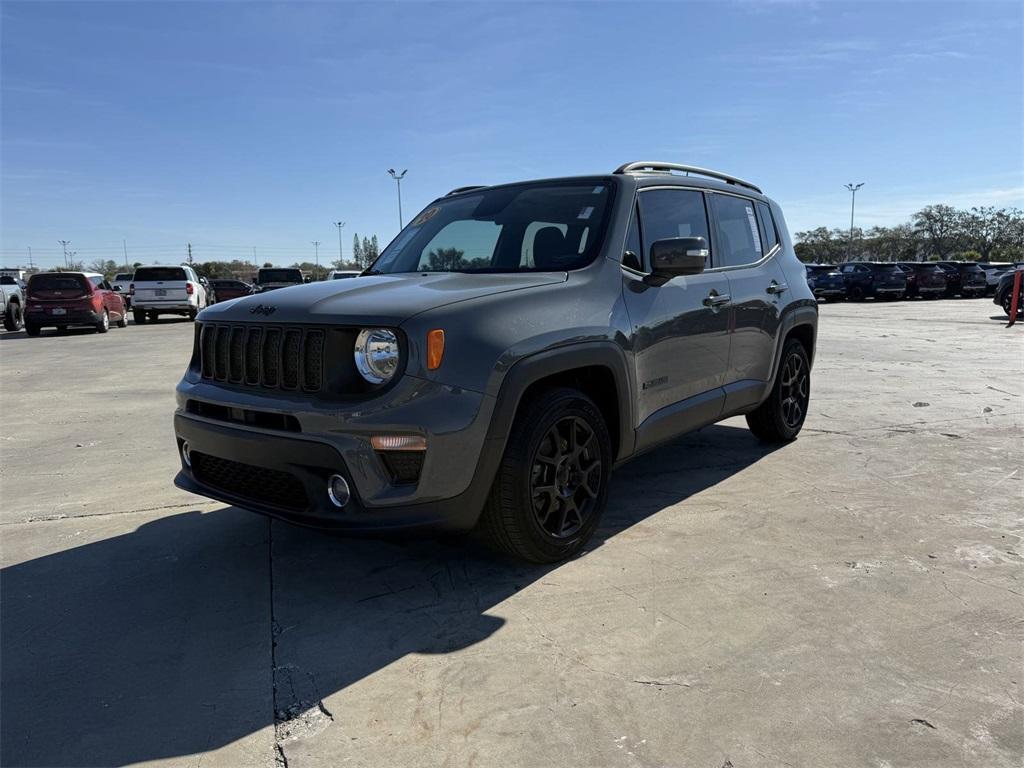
152, 316
12, 317
31, 330
781, 416
122, 321
856, 293
104, 324
62, 329
192, 312
139, 317
552, 485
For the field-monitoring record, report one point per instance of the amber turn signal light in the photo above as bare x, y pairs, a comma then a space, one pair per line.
435, 349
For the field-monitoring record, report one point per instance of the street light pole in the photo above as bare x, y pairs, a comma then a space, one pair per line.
853, 201
398, 178
65, 243
339, 225
316, 250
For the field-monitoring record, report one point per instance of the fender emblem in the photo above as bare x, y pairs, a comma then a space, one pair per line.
260, 309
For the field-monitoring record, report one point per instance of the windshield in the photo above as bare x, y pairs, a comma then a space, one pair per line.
521, 228
280, 276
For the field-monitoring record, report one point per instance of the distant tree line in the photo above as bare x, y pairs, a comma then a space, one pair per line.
935, 233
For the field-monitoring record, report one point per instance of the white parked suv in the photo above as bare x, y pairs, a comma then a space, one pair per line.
172, 290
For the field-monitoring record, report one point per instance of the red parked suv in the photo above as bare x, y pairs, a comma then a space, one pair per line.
59, 299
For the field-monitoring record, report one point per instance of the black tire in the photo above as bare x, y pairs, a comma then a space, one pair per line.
152, 316
856, 293
192, 314
123, 321
62, 329
552, 485
139, 316
1008, 299
104, 324
31, 330
12, 317
780, 418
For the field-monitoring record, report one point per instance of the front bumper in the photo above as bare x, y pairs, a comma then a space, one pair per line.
334, 438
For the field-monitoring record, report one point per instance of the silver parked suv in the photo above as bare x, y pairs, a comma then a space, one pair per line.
506, 351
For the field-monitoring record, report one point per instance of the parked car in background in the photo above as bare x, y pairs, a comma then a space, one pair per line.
1003, 295
993, 271
340, 274
226, 289
122, 283
924, 279
272, 278
972, 283
62, 299
172, 290
13, 298
873, 279
826, 281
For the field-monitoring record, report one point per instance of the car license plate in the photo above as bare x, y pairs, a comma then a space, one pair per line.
160, 291
58, 311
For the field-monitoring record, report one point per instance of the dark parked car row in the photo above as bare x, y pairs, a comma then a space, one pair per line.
861, 280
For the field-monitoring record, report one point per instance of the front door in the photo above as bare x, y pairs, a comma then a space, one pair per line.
680, 328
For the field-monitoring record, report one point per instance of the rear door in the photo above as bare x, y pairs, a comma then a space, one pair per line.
748, 243
160, 285
680, 328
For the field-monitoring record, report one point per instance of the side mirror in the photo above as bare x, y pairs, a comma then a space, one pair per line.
675, 256
116, 288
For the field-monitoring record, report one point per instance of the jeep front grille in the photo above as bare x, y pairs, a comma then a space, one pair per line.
266, 356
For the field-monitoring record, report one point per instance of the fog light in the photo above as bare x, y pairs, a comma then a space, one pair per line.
186, 454
337, 490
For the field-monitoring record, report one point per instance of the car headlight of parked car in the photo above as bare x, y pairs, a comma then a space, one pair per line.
376, 354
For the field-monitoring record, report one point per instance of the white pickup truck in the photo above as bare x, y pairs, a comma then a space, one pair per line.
171, 290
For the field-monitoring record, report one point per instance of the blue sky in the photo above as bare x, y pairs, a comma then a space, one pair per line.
233, 125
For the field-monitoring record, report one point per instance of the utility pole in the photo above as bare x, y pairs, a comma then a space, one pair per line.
65, 243
853, 200
398, 178
124, 244
31, 266
190, 253
316, 250
341, 257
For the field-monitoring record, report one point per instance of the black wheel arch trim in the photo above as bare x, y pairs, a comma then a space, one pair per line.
542, 365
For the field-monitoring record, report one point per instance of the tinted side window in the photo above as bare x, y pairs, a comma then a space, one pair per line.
669, 213
739, 240
631, 255
769, 235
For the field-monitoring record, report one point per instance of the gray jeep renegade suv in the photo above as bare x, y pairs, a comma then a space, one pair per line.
506, 351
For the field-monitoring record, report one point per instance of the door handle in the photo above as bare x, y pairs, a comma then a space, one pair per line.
775, 288
715, 299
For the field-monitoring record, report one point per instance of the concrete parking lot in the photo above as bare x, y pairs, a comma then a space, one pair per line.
854, 598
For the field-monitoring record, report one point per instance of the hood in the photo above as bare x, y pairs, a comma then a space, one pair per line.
387, 300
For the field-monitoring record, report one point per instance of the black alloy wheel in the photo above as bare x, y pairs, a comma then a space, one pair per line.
795, 386
565, 477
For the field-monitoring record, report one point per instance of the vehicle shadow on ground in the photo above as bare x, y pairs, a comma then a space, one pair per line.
158, 643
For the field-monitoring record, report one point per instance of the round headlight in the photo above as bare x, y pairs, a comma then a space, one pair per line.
376, 354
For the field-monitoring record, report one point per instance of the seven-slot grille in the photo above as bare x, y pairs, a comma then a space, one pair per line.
267, 356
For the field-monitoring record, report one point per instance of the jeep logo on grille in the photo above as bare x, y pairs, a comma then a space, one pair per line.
260, 309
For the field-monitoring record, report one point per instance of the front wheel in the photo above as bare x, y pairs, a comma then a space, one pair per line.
1008, 300
780, 417
552, 485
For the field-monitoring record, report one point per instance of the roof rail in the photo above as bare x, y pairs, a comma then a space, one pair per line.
460, 190
659, 167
